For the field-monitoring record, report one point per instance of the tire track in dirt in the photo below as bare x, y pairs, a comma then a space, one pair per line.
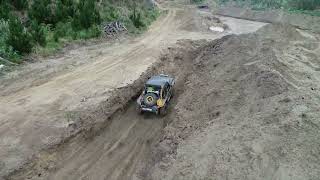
100, 159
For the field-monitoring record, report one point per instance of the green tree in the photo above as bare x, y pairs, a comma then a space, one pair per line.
38, 33
86, 15
20, 4
4, 9
19, 38
41, 11
65, 10
136, 19
6, 51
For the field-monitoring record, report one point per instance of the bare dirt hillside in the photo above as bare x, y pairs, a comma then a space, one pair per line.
46, 104
246, 107
249, 110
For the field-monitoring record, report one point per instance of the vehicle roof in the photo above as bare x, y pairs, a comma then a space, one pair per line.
158, 80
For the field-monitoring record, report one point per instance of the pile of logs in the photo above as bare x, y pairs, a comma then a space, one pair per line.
114, 28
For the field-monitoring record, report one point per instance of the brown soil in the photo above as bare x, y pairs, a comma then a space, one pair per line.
249, 110
246, 107
46, 103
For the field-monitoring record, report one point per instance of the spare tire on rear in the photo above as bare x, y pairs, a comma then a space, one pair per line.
150, 99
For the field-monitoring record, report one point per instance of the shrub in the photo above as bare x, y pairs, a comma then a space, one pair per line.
110, 13
86, 15
19, 38
136, 19
38, 33
304, 4
4, 9
63, 30
41, 11
65, 10
20, 4
6, 51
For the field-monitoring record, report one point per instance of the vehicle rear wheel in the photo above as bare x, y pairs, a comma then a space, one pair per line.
150, 99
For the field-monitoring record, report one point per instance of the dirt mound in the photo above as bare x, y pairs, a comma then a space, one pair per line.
279, 32
246, 112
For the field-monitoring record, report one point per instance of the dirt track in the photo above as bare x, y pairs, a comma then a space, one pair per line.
246, 107
273, 124
36, 113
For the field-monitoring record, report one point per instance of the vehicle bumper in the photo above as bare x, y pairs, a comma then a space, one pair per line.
153, 109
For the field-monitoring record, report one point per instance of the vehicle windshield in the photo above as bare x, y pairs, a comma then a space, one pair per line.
152, 89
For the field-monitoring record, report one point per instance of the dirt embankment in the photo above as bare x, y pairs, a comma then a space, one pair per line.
118, 139
301, 21
249, 110
48, 102
246, 107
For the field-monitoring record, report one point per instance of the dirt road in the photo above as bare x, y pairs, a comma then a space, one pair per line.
36, 105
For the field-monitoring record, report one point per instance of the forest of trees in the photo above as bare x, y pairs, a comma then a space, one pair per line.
27, 25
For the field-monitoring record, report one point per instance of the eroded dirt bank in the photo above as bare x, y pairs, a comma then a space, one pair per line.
115, 149
250, 110
46, 103
246, 107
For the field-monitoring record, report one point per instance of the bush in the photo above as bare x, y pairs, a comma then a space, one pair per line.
38, 33
19, 38
62, 30
136, 19
303, 4
110, 13
86, 15
4, 9
65, 10
6, 51
41, 12
20, 4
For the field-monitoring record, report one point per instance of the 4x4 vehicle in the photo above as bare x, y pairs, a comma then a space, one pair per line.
156, 95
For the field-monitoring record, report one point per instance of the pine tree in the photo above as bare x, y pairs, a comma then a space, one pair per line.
38, 33
4, 9
136, 19
19, 38
20, 4
65, 10
86, 15
41, 12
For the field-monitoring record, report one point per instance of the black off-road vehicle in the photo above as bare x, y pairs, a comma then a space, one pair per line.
156, 95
